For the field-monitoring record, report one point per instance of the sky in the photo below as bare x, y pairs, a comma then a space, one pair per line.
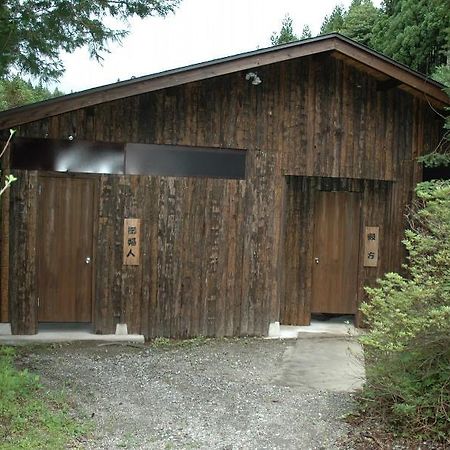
198, 31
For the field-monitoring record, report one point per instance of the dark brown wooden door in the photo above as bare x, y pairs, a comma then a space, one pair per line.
335, 254
65, 244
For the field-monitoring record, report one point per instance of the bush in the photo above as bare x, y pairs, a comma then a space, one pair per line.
407, 348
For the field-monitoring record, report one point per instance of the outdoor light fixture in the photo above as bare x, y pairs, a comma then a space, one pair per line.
253, 77
72, 135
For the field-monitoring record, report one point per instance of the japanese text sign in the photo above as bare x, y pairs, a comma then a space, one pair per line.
131, 241
371, 245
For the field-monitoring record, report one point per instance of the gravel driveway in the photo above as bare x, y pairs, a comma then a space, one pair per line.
218, 394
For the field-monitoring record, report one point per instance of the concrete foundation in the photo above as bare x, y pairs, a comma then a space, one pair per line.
49, 333
121, 329
5, 329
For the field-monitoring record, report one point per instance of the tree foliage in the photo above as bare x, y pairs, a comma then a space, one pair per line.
357, 23
360, 21
334, 22
414, 32
286, 33
407, 348
17, 92
441, 154
306, 33
34, 32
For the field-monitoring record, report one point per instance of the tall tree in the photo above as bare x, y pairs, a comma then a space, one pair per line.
334, 22
306, 32
415, 32
360, 20
286, 33
34, 32
357, 23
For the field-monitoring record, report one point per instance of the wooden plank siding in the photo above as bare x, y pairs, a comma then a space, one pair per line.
377, 209
323, 116
226, 257
22, 254
205, 269
4, 240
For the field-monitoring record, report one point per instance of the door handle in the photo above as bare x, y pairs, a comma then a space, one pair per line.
87, 260
316, 260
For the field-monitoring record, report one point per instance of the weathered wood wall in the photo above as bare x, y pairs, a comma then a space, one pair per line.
22, 254
209, 263
376, 199
217, 249
206, 268
4, 241
189, 281
322, 115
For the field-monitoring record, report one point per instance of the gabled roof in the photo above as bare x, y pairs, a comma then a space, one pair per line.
335, 43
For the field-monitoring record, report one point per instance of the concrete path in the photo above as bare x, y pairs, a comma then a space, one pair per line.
323, 362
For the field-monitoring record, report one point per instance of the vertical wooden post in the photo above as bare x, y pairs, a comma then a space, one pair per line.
22, 262
4, 242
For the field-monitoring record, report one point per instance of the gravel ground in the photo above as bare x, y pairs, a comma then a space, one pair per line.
218, 394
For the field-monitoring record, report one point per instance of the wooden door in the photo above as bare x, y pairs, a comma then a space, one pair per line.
335, 253
65, 249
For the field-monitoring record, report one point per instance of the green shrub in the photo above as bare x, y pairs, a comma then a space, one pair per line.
407, 347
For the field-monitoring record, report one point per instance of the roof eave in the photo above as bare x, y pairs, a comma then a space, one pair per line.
404, 74
223, 66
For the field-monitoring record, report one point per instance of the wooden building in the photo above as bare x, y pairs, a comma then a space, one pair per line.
216, 198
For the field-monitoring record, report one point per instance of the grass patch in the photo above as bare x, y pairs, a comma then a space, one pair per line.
28, 418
